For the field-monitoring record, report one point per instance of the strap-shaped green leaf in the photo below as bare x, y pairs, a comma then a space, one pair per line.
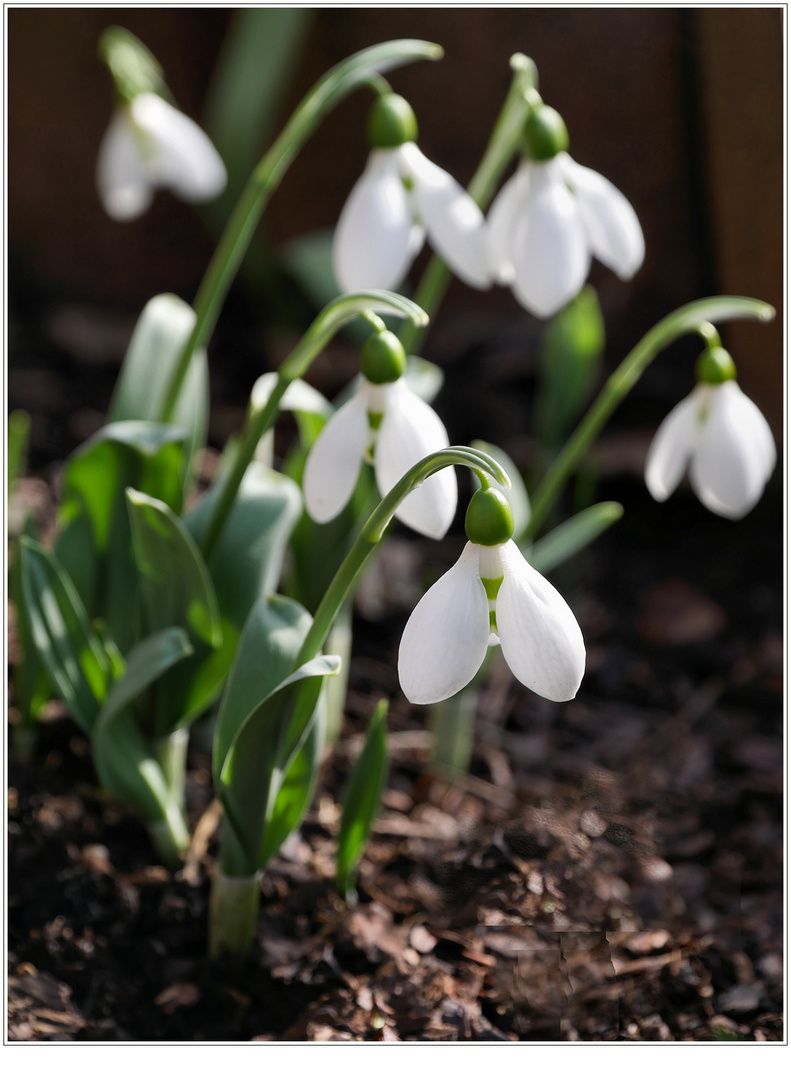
94, 540
361, 800
32, 686
249, 558
572, 536
59, 626
571, 350
264, 720
18, 435
175, 585
161, 333
144, 664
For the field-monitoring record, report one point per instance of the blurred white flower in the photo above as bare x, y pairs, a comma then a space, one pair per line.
398, 428
726, 442
400, 197
447, 635
547, 222
149, 144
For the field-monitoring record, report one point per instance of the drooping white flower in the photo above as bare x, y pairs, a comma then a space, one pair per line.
150, 144
726, 442
492, 595
390, 423
400, 197
552, 216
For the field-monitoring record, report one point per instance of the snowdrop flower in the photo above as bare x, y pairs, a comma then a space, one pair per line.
401, 196
150, 144
552, 216
388, 423
723, 438
492, 595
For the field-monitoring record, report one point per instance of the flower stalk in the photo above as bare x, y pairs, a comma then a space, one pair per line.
502, 146
691, 318
340, 81
261, 415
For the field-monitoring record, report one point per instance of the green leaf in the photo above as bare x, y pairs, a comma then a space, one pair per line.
572, 536
162, 331
423, 377
248, 560
175, 585
517, 495
571, 351
18, 437
32, 687
250, 78
94, 539
145, 663
264, 721
59, 626
296, 788
361, 800
176, 590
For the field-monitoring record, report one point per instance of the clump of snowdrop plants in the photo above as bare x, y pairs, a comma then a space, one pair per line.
155, 607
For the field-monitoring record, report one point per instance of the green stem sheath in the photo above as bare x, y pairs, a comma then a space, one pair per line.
356, 71
233, 912
261, 417
688, 319
171, 754
499, 151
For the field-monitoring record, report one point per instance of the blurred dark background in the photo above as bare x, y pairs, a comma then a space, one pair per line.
680, 108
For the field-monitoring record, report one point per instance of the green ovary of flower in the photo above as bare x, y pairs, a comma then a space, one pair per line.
489, 519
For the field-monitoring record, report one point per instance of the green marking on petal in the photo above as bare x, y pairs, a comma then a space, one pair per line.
492, 586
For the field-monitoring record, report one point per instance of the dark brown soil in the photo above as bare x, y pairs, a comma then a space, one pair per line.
611, 869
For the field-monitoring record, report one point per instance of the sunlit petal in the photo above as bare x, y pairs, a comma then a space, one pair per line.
454, 222
539, 635
335, 459
124, 187
502, 218
374, 242
182, 156
550, 250
410, 430
445, 639
672, 446
614, 233
735, 455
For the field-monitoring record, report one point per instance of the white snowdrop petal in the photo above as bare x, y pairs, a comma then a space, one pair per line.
614, 233
454, 222
672, 446
410, 430
335, 458
550, 247
374, 242
502, 219
124, 188
183, 157
735, 454
445, 640
539, 635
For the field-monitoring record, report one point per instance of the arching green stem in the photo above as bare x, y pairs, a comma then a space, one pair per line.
499, 151
357, 70
374, 529
692, 318
261, 416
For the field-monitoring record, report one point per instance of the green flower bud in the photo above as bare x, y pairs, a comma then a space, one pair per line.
715, 366
489, 520
383, 359
545, 134
391, 122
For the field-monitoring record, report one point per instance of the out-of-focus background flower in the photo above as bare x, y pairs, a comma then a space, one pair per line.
680, 108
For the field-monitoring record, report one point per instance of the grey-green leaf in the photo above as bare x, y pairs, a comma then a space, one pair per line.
59, 626
161, 333
566, 540
175, 583
361, 800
